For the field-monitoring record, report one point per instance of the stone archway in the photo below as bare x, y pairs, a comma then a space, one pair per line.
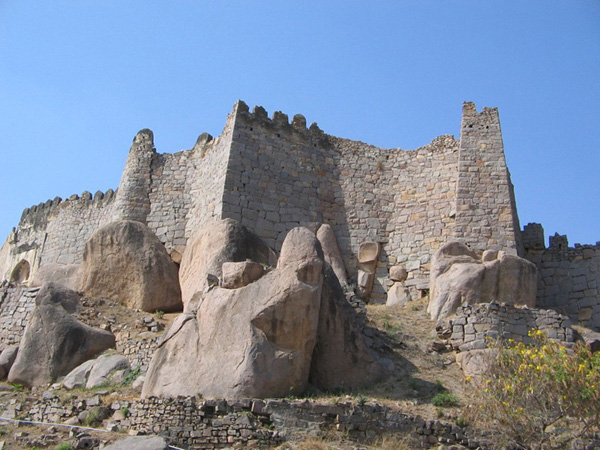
20, 273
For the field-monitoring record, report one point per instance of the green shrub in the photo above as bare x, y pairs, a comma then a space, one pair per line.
361, 400
159, 314
445, 400
92, 417
131, 376
17, 387
65, 446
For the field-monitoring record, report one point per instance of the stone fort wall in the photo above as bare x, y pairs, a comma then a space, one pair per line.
568, 277
273, 175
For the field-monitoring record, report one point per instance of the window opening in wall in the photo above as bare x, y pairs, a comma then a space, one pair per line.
20, 273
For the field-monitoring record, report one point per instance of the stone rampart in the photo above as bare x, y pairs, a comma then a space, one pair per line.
569, 277
55, 232
273, 174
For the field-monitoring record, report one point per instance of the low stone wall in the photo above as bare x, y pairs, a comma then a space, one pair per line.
138, 352
15, 305
475, 325
211, 424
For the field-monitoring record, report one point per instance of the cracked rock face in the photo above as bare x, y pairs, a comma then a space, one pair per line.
220, 242
255, 341
55, 342
459, 276
268, 338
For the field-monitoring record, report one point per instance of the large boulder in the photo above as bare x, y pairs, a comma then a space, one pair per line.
476, 363
125, 262
77, 378
103, 367
7, 359
239, 274
56, 294
459, 276
221, 241
331, 252
255, 341
55, 342
398, 294
341, 358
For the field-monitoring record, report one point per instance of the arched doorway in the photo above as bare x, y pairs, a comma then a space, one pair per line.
20, 273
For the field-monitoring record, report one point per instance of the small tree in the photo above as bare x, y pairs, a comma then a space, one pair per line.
540, 395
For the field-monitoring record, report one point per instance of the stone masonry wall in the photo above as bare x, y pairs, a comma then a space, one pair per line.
55, 232
486, 215
475, 325
138, 352
282, 175
568, 277
273, 175
219, 423
15, 306
187, 189
404, 200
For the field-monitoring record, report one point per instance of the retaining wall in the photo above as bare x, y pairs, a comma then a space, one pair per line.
475, 325
210, 424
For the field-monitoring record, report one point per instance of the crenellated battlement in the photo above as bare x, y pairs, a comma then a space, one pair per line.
51, 207
279, 121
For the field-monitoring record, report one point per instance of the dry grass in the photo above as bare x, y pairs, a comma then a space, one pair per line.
419, 373
387, 442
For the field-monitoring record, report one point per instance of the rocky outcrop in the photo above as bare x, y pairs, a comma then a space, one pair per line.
239, 274
220, 242
125, 262
253, 341
459, 276
259, 340
341, 358
55, 342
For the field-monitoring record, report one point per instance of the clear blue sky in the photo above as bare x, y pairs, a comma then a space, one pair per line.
79, 78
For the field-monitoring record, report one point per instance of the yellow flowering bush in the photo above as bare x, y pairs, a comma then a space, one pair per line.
540, 395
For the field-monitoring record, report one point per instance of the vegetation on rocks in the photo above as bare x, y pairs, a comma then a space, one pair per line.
541, 394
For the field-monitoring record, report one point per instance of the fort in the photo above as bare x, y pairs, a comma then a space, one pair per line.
217, 282
273, 175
